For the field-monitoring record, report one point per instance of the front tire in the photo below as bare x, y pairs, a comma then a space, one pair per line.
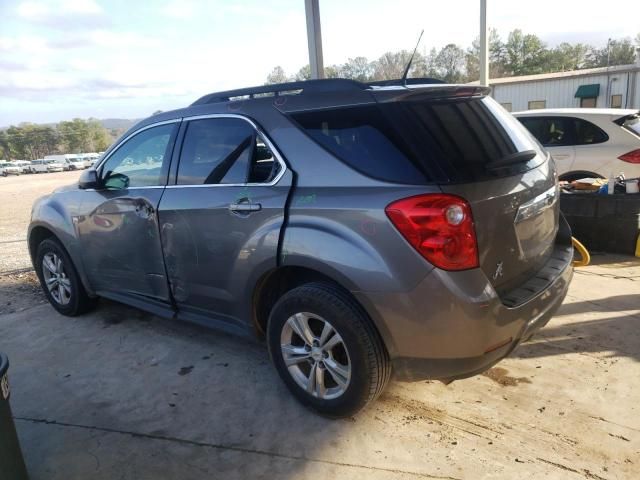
326, 350
60, 280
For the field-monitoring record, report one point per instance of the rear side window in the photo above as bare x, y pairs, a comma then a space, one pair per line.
224, 151
550, 131
586, 133
418, 142
564, 131
363, 138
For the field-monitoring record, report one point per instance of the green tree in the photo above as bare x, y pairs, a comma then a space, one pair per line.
524, 54
391, 65
358, 68
566, 57
333, 71
618, 52
303, 74
277, 75
450, 63
496, 57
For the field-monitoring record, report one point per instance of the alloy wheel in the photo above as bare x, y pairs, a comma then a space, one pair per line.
315, 355
55, 278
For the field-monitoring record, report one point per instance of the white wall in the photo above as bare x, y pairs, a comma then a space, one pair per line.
560, 92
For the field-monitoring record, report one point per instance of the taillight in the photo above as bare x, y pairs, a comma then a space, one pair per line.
631, 157
440, 227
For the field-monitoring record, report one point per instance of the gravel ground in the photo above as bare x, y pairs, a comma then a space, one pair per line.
17, 194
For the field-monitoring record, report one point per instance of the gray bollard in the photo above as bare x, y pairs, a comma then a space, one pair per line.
11, 462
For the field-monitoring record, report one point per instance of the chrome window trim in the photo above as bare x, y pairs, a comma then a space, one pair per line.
276, 154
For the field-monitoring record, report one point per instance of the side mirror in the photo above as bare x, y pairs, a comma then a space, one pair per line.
88, 179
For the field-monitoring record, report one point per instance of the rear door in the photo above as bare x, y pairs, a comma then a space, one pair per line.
118, 225
221, 219
556, 134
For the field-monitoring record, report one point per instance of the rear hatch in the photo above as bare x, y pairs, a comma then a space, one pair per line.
471, 147
461, 141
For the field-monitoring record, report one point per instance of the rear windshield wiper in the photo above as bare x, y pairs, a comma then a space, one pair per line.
518, 157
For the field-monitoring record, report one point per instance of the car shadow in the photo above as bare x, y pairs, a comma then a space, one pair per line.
602, 331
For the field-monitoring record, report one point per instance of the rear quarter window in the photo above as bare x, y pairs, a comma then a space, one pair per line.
418, 142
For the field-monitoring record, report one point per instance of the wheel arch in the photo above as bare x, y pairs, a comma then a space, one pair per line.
275, 283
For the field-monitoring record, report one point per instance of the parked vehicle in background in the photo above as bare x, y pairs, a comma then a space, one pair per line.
69, 161
588, 142
23, 164
359, 228
9, 168
44, 166
73, 164
90, 159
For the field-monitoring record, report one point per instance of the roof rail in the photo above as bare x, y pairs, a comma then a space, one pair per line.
408, 81
310, 86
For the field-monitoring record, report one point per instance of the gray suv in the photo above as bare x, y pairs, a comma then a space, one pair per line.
360, 228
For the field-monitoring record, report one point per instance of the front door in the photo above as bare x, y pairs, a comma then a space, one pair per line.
220, 223
118, 228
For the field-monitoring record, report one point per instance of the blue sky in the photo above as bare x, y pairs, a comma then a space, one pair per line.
61, 59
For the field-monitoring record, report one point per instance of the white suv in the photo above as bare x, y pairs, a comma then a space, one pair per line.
588, 142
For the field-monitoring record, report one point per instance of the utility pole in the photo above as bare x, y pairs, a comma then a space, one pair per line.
314, 38
484, 47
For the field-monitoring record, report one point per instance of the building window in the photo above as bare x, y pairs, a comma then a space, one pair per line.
507, 106
616, 101
588, 102
536, 104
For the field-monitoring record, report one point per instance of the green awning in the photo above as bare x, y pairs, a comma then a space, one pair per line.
588, 91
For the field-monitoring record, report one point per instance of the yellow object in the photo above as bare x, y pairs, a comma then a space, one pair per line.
584, 253
638, 247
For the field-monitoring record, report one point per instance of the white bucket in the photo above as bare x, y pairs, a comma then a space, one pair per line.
632, 186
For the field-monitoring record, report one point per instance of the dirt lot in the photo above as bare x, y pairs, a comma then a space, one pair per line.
121, 394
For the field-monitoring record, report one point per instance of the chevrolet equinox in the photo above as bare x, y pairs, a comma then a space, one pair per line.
359, 228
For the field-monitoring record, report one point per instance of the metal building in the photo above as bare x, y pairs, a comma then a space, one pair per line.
610, 87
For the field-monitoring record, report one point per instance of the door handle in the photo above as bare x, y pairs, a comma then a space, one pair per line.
245, 207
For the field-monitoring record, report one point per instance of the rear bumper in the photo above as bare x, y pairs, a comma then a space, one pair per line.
454, 325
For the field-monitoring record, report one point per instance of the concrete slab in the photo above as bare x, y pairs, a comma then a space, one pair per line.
121, 394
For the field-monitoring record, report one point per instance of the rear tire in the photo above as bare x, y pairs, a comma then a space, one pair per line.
336, 362
60, 280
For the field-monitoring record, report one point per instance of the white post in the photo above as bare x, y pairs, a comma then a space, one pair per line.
484, 47
314, 37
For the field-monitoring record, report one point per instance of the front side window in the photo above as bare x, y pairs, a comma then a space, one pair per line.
224, 151
549, 131
142, 161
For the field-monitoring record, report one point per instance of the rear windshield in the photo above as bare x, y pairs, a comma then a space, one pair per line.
418, 142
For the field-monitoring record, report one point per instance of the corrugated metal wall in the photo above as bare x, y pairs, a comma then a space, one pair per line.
560, 92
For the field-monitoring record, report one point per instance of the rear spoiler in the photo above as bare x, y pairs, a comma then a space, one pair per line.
429, 92
624, 119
